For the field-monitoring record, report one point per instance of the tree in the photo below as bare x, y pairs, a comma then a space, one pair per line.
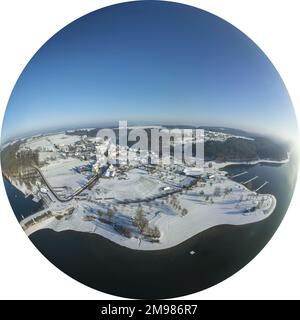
184, 212
123, 231
156, 232
226, 191
110, 214
258, 206
100, 213
140, 221
217, 192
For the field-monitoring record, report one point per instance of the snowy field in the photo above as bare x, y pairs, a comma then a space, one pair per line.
61, 173
42, 142
48, 141
138, 185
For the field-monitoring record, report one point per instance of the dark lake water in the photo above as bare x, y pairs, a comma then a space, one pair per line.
22, 207
220, 251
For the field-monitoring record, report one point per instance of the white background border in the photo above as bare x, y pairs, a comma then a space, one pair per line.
26, 25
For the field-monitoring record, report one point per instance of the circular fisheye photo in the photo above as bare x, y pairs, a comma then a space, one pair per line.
149, 150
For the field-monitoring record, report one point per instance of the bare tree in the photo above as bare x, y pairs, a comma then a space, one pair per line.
140, 221
258, 206
226, 191
100, 212
110, 214
217, 192
184, 212
156, 232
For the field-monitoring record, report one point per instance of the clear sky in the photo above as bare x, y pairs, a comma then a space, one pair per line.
149, 62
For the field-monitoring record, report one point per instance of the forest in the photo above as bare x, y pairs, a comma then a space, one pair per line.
237, 149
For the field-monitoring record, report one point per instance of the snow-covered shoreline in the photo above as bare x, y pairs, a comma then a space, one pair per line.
253, 162
136, 244
175, 229
188, 228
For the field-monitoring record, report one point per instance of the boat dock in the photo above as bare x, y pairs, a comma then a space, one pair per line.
254, 178
265, 183
239, 174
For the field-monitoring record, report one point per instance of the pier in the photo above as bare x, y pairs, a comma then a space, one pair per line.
265, 183
239, 174
254, 178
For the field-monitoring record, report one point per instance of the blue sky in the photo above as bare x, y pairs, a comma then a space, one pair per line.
149, 62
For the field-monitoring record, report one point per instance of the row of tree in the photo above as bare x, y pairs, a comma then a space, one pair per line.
142, 224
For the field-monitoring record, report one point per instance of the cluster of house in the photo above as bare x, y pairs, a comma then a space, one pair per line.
83, 149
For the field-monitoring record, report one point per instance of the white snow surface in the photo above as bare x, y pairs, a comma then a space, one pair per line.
174, 228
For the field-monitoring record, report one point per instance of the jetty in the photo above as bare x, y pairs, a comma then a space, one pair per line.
265, 183
254, 178
239, 174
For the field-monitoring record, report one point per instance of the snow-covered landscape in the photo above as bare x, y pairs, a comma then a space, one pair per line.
137, 205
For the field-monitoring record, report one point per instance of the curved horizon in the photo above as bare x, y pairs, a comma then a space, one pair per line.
149, 62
